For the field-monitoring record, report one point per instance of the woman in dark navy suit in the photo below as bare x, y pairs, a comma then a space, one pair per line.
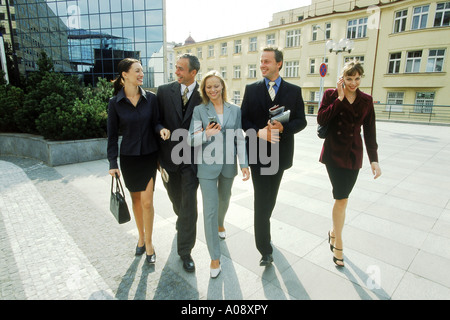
345, 109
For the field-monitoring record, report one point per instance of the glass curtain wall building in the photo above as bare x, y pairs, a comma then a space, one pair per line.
90, 37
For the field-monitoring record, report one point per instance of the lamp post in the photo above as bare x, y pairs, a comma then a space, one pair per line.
11, 31
344, 45
3, 59
322, 79
338, 47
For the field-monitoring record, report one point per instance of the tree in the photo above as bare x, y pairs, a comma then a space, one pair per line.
55, 105
10, 101
45, 92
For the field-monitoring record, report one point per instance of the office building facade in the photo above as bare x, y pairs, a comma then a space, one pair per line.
89, 37
403, 45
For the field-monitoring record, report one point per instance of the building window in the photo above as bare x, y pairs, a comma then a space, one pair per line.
442, 17
357, 28
199, 53
223, 72
90, 38
291, 69
360, 59
424, 102
293, 38
394, 101
400, 21
394, 62
211, 51
327, 31
314, 96
236, 72
435, 60
252, 71
312, 65
253, 44
420, 17
223, 49
236, 97
237, 46
314, 33
413, 61
270, 40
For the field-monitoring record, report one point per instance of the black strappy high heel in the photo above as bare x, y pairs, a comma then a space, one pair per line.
329, 241
335, 260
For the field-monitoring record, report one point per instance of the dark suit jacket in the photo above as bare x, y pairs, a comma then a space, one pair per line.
255, 114
343, 145
171, 115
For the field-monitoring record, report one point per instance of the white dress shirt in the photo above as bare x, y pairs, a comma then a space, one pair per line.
191, 89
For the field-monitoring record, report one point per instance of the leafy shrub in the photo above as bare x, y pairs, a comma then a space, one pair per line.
55, 105
26, 115
85, 119
62, 91
10, 101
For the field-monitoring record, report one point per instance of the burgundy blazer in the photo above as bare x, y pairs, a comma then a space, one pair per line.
343, 145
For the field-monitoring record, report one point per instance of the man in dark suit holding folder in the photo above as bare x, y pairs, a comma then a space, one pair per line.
270, 143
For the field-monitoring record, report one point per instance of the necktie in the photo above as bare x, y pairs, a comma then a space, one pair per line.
272, 90
185, 97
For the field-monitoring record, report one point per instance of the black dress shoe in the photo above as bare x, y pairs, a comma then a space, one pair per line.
188, 263
140, 250
151, 258
266, 260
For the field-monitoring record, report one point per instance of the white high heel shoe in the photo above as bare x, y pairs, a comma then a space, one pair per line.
215, 272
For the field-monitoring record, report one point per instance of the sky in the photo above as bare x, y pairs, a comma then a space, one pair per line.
209, 19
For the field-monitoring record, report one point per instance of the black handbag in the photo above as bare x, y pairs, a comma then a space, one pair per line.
117, 203
322, 131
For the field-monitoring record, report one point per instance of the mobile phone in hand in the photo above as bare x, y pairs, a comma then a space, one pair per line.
212, 120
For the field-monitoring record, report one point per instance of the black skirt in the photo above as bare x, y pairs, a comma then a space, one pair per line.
138, 170
343, 180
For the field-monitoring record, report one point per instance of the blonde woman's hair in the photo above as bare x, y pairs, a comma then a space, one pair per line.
353, 67
202, 89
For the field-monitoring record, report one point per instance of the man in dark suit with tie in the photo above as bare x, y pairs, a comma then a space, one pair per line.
176, 103
277, 140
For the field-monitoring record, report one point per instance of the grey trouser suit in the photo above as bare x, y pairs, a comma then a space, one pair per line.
217, 165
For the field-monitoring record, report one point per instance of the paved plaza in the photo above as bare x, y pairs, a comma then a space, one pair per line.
58, 239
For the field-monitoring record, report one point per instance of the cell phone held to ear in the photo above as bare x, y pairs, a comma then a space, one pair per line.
212, 120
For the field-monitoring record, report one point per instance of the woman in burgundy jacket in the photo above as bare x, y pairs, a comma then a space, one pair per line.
345, 109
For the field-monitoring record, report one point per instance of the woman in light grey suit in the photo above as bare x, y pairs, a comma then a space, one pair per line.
216, 126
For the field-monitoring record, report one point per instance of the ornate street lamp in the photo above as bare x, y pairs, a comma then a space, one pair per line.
344, 45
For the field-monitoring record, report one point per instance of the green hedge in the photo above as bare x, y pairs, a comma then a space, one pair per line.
11, 99
55, 106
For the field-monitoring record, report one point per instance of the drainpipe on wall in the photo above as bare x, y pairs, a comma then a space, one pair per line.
376, 52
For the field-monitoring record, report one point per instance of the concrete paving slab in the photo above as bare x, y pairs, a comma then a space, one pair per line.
58, 239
